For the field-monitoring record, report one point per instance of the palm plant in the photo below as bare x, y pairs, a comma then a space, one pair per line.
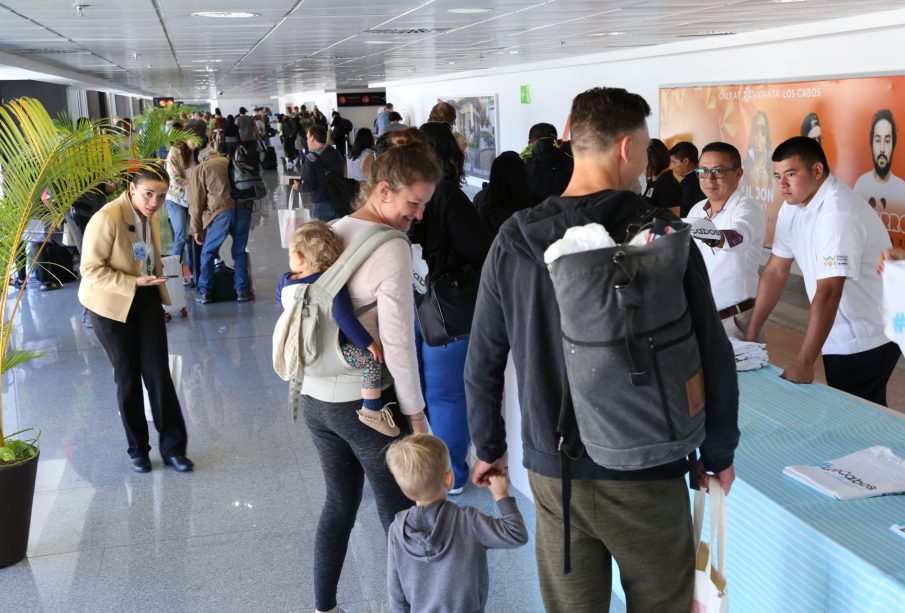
43, 171
150, 132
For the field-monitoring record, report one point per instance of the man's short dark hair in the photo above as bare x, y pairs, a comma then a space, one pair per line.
880, 116
730, 150
806, 149
541, 130
602, 115
685, 150
389, 106
318, 132
394, 116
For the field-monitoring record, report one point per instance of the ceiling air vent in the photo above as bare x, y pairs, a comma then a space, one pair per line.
38, 51
406, 31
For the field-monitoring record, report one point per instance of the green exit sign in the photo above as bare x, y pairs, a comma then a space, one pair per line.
526, 94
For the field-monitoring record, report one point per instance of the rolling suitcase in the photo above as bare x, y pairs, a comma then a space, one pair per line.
270, 159
172, 266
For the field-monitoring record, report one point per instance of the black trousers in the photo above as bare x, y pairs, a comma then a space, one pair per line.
138, 351
863, 374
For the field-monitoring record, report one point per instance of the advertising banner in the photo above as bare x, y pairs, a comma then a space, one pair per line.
856, 121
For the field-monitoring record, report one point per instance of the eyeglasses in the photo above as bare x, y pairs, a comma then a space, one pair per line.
714, 173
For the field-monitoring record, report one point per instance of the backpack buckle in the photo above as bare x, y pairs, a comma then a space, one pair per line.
640, 378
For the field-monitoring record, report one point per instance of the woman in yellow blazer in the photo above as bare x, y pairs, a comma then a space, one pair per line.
123, 288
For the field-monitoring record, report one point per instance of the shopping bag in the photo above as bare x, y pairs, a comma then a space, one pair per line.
894, 301
710, 594
175, 361
68, 237
290, 220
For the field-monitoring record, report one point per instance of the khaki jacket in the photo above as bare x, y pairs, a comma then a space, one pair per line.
108, 267
209, 192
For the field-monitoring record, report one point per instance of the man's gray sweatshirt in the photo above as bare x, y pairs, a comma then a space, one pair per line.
437, 555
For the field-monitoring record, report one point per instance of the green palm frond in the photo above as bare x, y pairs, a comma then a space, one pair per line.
151, 133
44, 170
15, 357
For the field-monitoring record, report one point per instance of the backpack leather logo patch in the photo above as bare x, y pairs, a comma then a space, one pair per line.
694, 390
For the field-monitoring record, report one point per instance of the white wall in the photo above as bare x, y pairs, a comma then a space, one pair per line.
839, 48
820, 50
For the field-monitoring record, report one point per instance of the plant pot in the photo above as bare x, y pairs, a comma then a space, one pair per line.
17, 484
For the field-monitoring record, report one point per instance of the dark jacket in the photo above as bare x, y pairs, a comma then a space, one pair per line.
314, 172
451, 233
517, 309
549, 169
664, 192
437, 555
691, 193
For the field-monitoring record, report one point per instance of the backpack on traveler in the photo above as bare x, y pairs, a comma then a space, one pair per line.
634, 397
245, 180
306, 338
338, 190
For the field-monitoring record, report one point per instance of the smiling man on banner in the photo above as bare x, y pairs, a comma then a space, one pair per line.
880, 187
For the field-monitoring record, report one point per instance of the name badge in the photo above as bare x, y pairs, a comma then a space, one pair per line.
139, 251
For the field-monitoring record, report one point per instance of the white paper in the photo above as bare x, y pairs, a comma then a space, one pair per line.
577, 239
749, 356
898, 529
875, 471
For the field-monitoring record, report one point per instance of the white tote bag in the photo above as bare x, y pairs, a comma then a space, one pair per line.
710, 594
290, 220
175, 373
894, 301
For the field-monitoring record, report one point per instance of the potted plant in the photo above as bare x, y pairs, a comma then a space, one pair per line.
43, 170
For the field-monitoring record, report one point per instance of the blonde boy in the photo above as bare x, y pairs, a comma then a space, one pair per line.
436, 550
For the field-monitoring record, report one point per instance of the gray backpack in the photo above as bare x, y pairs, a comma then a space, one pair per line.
306, 336
632, 360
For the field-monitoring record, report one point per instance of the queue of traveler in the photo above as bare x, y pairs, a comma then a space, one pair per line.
430, 319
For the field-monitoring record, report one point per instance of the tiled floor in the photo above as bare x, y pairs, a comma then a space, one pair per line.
237, 534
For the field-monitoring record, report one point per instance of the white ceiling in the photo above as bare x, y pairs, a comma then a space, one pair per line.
158, 48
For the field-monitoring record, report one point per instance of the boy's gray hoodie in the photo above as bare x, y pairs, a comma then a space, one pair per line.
437, 555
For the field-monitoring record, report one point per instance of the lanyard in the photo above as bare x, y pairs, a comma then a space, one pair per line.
142, 232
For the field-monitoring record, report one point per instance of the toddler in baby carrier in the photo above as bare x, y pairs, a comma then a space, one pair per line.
320, 327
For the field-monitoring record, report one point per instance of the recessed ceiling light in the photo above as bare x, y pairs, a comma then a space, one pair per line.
516, 52
606, 34
471, 11
225, 14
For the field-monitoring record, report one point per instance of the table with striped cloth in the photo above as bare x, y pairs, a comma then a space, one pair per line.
789, 547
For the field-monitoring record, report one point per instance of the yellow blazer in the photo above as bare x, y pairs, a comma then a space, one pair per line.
108, 266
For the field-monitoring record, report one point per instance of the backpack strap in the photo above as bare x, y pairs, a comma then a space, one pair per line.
570, 449
354, 255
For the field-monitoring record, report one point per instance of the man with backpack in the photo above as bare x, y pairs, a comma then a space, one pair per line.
290, 129
634, 509
340, 128
215, 214
322, 170
547, 163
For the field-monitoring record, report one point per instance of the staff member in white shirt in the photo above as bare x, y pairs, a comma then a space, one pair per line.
836, 239
734, 258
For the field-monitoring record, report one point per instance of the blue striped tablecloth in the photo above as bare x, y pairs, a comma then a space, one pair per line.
790, 548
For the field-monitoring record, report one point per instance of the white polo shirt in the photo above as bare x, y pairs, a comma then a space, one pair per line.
733, 268
837, 234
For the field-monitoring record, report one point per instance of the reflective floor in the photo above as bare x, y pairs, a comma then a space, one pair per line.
235, 535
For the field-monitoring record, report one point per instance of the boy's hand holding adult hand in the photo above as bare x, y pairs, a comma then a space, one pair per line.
419, 423
499, 485
482, 471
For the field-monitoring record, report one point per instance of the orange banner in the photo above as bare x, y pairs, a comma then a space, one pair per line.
854, 119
